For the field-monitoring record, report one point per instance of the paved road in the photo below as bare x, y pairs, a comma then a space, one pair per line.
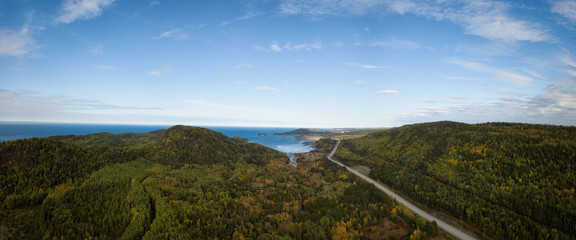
441, 224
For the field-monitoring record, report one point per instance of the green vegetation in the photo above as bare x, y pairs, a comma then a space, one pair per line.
508, 181
306, 132
355, 133
186, 183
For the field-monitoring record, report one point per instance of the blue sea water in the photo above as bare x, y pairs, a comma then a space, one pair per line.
287, 144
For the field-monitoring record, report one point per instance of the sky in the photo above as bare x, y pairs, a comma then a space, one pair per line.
288, 63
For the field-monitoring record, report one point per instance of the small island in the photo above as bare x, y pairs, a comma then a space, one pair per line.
262, 135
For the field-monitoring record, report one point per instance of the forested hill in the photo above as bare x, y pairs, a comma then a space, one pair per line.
30, 166
186, 183
306, 131
507, 180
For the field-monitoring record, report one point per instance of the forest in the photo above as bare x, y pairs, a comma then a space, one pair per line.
187, 183
504, 180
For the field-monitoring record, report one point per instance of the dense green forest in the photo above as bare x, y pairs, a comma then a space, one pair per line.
506, 180
186, 183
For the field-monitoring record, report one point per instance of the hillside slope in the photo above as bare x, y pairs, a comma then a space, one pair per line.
507, 180
186, 183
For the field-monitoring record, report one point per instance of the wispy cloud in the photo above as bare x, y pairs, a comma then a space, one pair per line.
155, 73
303, 46
265, 88
243, 65
570, 64
16, 43
203, 103
392, 43
362, 81
275, 47
388, 92
289, 46
73, 10
153, 3
484, 18
367, 66
248, 16
18, 69
26, 105
105, 67
181, 33
566, 9
504, 75
555, 105
159, 71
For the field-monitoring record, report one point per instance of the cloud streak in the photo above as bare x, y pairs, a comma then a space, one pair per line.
73, 10
266, 88
556, 104
181, 33
507, 76
26, 105
392, 43
484, 18
388, 92
289, 46
367, 66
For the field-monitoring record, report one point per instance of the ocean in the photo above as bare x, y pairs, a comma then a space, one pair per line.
287, 144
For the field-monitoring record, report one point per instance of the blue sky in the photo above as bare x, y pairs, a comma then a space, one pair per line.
292, 63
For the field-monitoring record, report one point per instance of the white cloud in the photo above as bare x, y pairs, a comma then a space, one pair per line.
485, 18
570, 65
153, 3
367, 66
498, 26
511, 77
105, 67
275, 47
203, 103
388, 92
96, 48
555, 105
566, 8
265, 88
260, 48
18, 69
30, 105
16, 43
289, 46
303, 46
181, 33
159, 71
155, 73
248, 16
73, 10
392, 43
243, 65
362, 81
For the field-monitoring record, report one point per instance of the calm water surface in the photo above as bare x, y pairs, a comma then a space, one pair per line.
287, 144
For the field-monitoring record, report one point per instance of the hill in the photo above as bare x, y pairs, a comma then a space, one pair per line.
306, 132
185, 183
506, 180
